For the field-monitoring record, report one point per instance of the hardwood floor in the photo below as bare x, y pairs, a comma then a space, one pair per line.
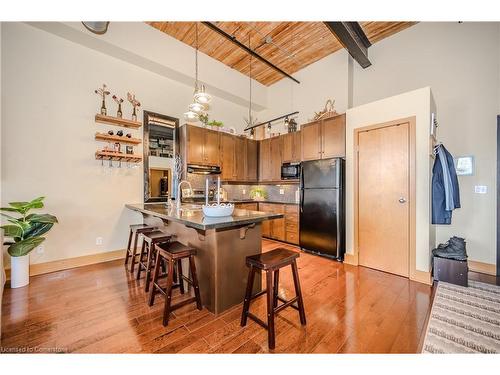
102, 309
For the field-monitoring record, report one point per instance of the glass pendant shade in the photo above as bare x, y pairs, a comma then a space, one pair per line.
201, 96
190, 116
196, 107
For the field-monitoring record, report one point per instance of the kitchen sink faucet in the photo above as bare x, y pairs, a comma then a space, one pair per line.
179, 192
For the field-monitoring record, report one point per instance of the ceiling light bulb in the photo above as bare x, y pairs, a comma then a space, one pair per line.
196, 107
269, 127
191, 116
201, 96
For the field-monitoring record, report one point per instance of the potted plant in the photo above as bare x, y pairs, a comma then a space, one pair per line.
258, 193
26, 232
216, 124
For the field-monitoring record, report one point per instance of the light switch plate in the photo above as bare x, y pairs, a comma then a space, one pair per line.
282, 191
98, 241
480, 189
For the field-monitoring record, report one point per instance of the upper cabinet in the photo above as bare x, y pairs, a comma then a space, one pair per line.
276, 160
252, 153
291, 151
239, 157
202, 145
227, 151
270, 159
323, 139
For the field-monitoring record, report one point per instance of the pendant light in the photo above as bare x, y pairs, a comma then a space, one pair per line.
200, 97
250, 121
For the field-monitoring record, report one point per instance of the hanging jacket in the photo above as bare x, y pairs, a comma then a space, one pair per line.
445, 189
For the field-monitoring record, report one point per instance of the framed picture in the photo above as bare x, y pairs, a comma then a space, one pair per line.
464, 165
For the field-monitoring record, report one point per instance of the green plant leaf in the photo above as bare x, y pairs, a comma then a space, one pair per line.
21, 224
9, 209
41, 218
12, 230
18, 205
25, 246
8, 216
37, 229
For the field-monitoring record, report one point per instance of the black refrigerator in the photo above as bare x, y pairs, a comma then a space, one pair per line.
322, 207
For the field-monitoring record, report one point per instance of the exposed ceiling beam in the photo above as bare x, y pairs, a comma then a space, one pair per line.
247, 49
354, 40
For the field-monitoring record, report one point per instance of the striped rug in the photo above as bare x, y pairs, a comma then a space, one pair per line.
464, 320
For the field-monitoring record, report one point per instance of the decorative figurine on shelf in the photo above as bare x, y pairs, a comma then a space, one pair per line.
119, 101
129, 150
203, 117
128, 135
328, 111
291, 125
110, 132
102, 92
119, 133
135, 103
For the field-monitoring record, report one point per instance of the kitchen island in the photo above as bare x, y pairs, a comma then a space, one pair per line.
222, 245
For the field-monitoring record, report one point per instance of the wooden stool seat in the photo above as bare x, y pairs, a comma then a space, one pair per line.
274, 259
135, 231
173, 253
271, 262
147, 256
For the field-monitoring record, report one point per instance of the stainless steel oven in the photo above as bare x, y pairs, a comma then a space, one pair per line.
290, 171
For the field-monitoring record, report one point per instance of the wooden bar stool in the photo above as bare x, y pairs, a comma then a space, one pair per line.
271, 262
174, 253
135, 231
147, 257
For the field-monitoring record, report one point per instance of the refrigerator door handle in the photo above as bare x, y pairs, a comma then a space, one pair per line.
301, 187
338, 220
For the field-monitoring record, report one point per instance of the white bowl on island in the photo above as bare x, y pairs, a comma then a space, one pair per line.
218, 210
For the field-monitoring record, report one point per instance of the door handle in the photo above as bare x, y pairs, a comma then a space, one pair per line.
402, 200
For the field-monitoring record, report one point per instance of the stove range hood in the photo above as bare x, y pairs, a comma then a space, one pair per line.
203, 169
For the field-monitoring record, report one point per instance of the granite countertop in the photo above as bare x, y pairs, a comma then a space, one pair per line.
261, 201
193, 217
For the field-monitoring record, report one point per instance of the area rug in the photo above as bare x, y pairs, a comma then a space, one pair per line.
464, 320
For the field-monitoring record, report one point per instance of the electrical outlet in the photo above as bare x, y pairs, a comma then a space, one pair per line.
243, 191
282, 191
98, 241
480, 189
40, 249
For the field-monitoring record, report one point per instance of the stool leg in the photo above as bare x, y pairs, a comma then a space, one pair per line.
270, 309
298, 292
127, 253
141, 257
149, 263
134, 252
168, 295
194, 278
275, 290
248, 296
179, 276
156, 273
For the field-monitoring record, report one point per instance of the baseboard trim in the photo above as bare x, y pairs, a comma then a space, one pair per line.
64, 264
351, 259
422, 277
487, 268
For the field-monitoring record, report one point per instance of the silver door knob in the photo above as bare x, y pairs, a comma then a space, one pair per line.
402, 200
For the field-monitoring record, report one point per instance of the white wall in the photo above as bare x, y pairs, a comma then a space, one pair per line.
323, 80
2, 272
48, 141
415, 103
460, 62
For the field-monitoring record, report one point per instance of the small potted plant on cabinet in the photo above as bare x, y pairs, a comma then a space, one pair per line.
26, 233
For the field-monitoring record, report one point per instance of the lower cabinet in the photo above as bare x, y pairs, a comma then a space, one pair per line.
247, 206
285, 229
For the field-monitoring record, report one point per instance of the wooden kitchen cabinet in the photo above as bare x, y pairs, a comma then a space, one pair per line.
264, 160
292, 223
275, 149
311, 141
227, 151
323, 139
274, 229
240, 159
247, 206
252, 158
333, 137
291, 147
202, 145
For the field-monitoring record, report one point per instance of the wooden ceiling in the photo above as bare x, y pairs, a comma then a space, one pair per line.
294, 45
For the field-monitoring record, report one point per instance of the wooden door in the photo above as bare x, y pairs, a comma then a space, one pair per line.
211, 147
195, 144
265, 160
292, 223
333, 137
227, 146
275, 146
383, 198
288, 150
240, 159
266, 224
310, 141
252, 151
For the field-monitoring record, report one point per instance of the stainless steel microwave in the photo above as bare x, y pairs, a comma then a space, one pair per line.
290, 171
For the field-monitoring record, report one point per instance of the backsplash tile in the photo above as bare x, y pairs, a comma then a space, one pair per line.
273, 192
